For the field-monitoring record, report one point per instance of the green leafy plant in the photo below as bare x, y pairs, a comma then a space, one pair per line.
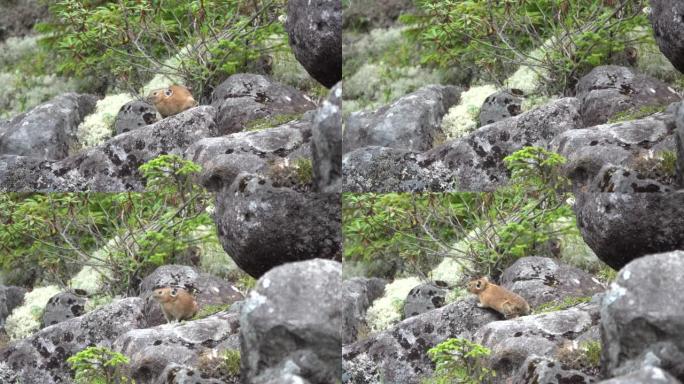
571, 36
123, 236
459, 361
99, 365
133, 41
231, 361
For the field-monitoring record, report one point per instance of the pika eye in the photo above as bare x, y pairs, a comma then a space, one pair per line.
479, 284
174, 292
168, 92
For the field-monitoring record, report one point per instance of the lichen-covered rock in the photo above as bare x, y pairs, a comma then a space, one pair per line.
10, 298
112, 166
622, 227
291, 322
181, 374
262, 226
666, 18
541, 280
384, 170
262, 152
63, 306
642, 321
627, 144
17, 18
608, 90
399, 354
645, 375
134, 115
210, 290
315, 31
476, 160
501, 105
44, 354
152, 350
414, 122
357, 295
679, 141
512, 342
541, 369
423, 298
243, 98
48, 131
326, 143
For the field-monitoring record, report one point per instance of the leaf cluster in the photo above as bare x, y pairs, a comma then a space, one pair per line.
99, 365
459, 360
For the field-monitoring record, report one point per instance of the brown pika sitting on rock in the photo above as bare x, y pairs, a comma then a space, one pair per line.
176, 303
498, 298
172, 100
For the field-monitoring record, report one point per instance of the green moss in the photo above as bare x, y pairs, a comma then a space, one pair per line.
304, 169
592, 353
636, 114
564, 304
246, 283
208, 310
606, 274
668, 163
231, 361
271, 121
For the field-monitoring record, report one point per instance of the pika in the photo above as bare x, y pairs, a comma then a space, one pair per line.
176, 303
499, 299
172, 100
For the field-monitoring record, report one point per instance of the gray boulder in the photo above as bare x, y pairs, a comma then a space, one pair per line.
540, 369
262, 226
63, 306
326, 143
399, 354
181, 374
608, 90
617, 179
17, 18
41, 358
244, 97
679, 138
669, 29
10, 298
413, 122
622, 227
290, 324
48, 131
501, 105
512, 342
541, 280
268, 153
358, 295
210, 290
384, 170
642, 322
134, 115
628, 145
646, 375
477, 159
423, 298
315, 31
112, 166
154, 350
372, 14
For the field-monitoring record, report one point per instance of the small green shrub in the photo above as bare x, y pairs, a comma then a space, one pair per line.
637, 114
592, 353
607, 274
459, 361
271, 121
208, 310
566, 303
99, 365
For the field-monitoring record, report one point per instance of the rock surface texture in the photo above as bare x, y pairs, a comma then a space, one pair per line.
63, 306
501, 105
281, 333
622, 227
315, 31
358, 295
642, 323
326, 143
666, 18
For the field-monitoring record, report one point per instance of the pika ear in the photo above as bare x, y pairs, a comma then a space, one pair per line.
168, 92
485, 279
174, 292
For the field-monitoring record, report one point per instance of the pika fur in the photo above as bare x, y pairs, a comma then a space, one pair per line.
176, 303
498, 298
172, 100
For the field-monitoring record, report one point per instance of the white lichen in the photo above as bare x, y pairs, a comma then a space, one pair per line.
25, 320
386, 311
97, 127
88, 279
463, 118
